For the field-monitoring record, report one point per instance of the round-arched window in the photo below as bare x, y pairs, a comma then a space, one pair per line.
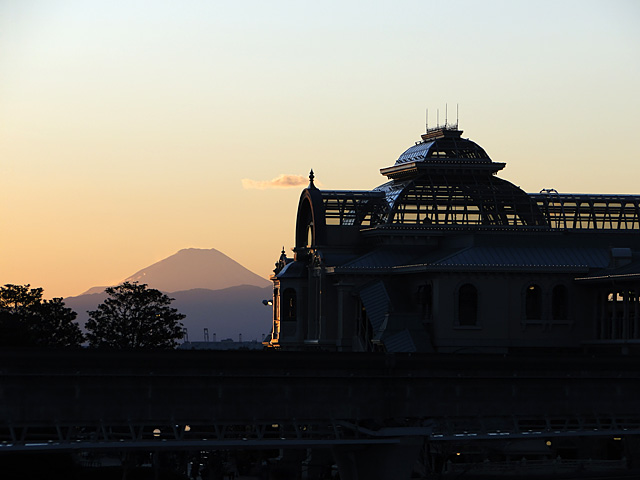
533, 302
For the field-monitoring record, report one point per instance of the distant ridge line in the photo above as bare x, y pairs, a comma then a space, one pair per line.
191, 268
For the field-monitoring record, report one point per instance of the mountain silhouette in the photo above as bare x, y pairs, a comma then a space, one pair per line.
211, 289
194, 268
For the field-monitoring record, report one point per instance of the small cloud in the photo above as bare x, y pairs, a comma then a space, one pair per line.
281, 181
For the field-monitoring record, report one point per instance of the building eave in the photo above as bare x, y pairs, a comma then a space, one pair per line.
408, 269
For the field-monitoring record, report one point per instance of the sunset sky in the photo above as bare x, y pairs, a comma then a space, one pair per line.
132, 129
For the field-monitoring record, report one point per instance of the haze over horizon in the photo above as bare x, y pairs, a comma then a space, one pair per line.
192, 268
132, 130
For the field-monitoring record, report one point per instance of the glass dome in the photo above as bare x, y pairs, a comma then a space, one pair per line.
443, 149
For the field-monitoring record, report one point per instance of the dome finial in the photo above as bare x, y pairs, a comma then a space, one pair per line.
311, 177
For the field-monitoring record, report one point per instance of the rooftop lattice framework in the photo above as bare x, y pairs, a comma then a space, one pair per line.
442, 204
445, 181
363, 208
592, 212
463, 200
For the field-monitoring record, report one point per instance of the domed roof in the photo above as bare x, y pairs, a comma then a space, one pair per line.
449, 181
442, 149
444, 145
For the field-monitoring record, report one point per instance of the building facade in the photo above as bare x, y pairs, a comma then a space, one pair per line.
446, 256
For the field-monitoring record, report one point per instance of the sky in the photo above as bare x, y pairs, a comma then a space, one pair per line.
132, 129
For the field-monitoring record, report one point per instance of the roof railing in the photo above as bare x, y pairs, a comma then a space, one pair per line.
446, 126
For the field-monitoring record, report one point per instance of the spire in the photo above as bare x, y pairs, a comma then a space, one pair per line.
281, 263
311, 177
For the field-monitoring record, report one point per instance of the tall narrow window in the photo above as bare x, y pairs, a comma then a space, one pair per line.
363, 327
310, 234
468, 305
288, 305
533, 303
559, 303
425, 300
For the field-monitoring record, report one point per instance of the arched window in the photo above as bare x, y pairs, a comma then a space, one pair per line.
310, 238
533, 302
288, 305
468, 305
559, 303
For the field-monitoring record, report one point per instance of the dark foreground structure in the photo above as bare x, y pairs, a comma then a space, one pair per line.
371, 415
445, 323
448, 257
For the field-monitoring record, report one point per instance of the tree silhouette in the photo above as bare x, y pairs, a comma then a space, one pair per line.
134, 317
16, 298
52, 325
28, 320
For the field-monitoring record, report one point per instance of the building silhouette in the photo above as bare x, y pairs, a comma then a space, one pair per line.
446, 256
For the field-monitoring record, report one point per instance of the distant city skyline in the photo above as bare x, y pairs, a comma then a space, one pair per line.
132, 130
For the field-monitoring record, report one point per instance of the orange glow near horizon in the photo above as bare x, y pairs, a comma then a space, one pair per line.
129, 132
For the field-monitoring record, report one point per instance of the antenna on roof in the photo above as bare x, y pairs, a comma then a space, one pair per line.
446, 116
427, 122
456, 115
438, 117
